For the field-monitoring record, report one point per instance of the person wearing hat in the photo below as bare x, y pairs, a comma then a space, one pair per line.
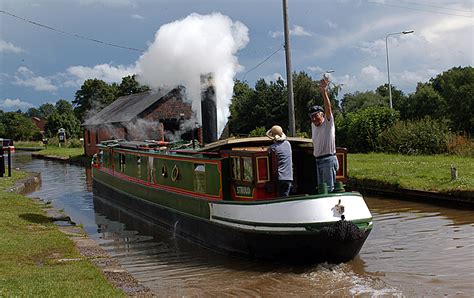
324, 139
282, 149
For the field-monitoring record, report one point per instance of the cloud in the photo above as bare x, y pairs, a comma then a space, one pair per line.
106, 72
7, 47
345, 39
296, 31
410, 78
370, 77
372, 74
331, 25
25, 77
110, 3
315, 69
185, 49
14, 104
137, 16
299, 31
373, 48
274, 77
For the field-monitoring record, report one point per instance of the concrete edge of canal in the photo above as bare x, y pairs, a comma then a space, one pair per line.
88, 248
453, 199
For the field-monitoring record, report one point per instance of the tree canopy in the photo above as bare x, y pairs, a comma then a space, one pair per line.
96, 94
267, 104
16, 126
93, 96
456, 87
63, 117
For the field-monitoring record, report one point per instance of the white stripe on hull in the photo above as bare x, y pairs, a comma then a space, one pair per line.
260, 228
309, 211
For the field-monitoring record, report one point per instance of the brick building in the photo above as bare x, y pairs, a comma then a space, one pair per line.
40, 124
139, 116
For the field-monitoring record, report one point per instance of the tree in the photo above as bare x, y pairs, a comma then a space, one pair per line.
18, 127
263, 106
456, 86
64, 107
93, 96
424, 102
359, 131
63, 117
353, 102
305, 93
397, 95
33, 112
68, 121
45, 110
130, 85
275, 103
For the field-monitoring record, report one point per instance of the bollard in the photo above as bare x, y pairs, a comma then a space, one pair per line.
454, 173
9, 162
2, 162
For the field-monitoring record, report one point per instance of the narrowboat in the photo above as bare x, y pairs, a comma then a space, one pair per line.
223, 196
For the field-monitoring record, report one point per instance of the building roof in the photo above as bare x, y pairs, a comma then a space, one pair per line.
127, 108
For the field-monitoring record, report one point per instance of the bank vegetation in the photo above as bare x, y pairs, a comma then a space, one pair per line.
36, 259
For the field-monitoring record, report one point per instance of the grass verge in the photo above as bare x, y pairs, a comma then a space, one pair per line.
75, 155
426, 173
32, 254
7, 182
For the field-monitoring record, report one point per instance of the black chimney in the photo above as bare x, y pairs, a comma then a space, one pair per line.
208, 109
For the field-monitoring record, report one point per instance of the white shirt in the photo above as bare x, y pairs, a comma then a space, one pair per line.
324, 137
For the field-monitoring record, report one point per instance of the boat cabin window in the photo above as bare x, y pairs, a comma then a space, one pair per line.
122, 162
139, 167
101, 156
248, 170
235, 168
199, 178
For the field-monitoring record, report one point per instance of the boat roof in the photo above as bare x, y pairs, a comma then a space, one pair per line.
250, 142
244, 144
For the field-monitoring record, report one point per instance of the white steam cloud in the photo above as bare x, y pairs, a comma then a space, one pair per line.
185, 49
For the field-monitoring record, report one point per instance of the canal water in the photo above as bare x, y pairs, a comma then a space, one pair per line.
414, 249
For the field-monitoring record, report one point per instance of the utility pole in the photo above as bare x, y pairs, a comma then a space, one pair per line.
289, 77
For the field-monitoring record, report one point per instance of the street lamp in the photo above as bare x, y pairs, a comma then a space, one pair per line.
388, 65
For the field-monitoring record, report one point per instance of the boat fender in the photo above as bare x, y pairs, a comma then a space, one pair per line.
344, 231
175, 173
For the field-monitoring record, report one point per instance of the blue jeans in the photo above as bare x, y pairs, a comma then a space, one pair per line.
326, 169
284, 187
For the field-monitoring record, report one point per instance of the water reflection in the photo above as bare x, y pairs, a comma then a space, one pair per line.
459, 215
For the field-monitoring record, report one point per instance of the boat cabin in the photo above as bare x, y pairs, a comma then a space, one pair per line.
232, 169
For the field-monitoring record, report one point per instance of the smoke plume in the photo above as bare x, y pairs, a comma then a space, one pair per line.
185, 49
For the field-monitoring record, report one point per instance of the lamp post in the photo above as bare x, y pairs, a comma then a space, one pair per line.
388, 64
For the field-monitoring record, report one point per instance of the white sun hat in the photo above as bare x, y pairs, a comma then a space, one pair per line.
276, 133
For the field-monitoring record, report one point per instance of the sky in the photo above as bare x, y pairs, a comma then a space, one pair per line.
48, 48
